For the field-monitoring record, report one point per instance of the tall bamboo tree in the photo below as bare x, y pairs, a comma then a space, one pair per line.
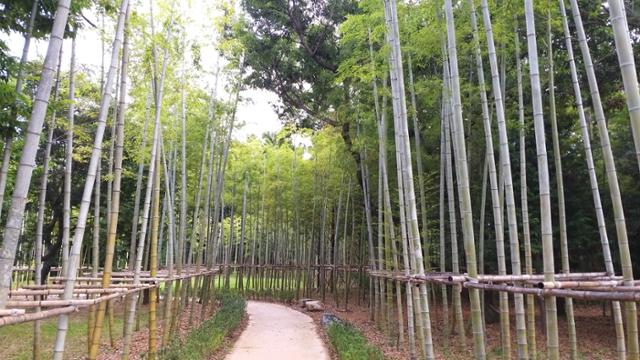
8, 140
30, 148
139, 176
463, 185
456, 299
404, 162
418, 146
593, 180
524, 203
115, 195
66, 218
612, 180
627, 62
42, 197
493, 179
74, 255
546, 230
562, 214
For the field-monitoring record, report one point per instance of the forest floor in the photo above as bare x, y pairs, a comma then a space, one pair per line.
278, 332
596, 336
140, 339
16, 341
595, 332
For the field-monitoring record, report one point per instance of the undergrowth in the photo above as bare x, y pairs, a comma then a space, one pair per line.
209, 337
285, 296
351, 344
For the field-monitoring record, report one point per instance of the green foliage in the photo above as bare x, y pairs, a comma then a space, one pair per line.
207, 339
294, 52
15, 15
351, 344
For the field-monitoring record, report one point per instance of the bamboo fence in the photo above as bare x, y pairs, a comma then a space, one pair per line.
51, 304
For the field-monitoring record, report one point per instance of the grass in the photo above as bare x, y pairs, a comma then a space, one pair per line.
351, 344
209, 337
16, 341
252, 291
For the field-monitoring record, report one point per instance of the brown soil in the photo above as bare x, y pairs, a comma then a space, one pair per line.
358, 315
595, 332
140, 339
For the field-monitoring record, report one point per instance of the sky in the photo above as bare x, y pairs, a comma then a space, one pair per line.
255, 112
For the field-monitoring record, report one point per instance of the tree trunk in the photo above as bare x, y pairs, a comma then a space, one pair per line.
490, 158
118, 142
8, 141
74, 255
443, 235
456, 300
543, 179
30, 148
403, 153
66, 219
595, 191
418, 146
632, 93
524, 206
136, 202
42, 196
463, 186
562, 217
627, 62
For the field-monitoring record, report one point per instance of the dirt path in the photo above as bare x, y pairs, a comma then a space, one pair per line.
278, 332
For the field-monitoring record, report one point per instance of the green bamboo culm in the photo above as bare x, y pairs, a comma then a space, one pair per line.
460, 154
546, 233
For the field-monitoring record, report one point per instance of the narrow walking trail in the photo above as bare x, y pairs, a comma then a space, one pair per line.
278, 332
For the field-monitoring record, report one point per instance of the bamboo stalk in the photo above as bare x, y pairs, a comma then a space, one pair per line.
612, 180
41, 208
27, 160
562, 220
153, 261
463, 186
74, 256
543, 179
118, 145
490, 160
456, 297
397, 110
604, 240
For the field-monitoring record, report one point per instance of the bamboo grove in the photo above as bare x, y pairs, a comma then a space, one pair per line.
464, 169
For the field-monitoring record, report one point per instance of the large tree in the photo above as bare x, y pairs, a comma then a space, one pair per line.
292, 48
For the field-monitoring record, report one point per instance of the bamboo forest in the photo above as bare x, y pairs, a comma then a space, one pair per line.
319, 179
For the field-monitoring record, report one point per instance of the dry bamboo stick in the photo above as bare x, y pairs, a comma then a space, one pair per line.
80, 286
579, 284
11, 312
11, 320
525, 277
611, 294
30, 292
73, 302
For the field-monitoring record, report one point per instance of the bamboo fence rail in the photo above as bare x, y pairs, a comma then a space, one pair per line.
54, 305
583, 286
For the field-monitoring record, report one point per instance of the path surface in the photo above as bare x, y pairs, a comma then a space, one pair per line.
280, 333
